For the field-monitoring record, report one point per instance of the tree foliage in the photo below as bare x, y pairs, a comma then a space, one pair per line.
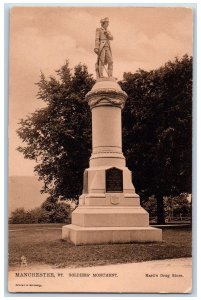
157, 132
58, 136
177, 207
57, 211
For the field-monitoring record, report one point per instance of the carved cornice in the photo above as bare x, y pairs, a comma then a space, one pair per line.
105, 97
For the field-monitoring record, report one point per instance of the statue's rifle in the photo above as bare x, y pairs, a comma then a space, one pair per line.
102, 64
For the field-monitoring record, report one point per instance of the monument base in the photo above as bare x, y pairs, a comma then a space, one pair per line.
110, 224
105, 235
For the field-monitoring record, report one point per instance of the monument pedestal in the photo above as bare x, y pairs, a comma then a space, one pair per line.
109, 235
109, 210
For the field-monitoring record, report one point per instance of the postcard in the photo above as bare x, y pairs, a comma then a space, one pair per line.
100, 149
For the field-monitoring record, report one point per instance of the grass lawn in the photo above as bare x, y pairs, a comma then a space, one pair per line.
42, 244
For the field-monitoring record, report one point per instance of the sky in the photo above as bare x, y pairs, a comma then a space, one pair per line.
43, 38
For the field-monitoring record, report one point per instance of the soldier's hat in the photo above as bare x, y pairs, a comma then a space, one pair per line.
104, 20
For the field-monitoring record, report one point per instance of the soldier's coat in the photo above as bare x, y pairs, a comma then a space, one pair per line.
101, 40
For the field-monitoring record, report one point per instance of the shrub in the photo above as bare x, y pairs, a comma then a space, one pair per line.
19, 216
57, 212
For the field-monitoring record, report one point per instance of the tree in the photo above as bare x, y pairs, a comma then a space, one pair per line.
157, 132
58, 136
150, 206
57, 211
178, 206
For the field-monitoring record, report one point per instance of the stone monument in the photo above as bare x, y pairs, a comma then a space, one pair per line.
109, 210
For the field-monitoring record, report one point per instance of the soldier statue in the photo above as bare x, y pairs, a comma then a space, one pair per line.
103, 50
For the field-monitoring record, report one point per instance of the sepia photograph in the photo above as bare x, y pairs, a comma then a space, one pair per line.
100, 149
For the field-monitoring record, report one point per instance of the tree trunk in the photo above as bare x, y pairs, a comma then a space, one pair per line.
160, 210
